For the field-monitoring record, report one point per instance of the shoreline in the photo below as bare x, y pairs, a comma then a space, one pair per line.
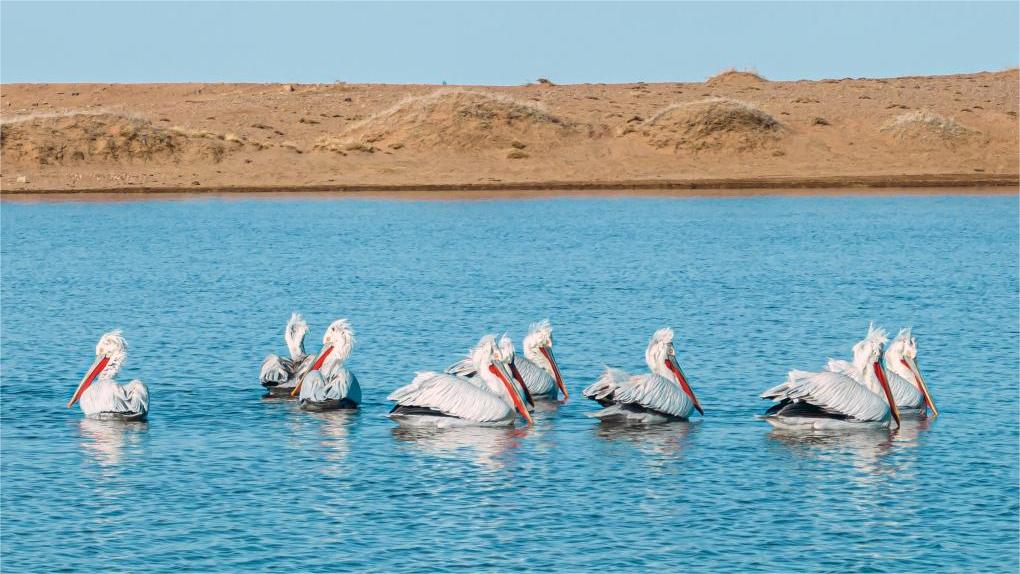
943, 184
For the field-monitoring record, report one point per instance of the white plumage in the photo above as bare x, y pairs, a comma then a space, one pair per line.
538, 366
659, 396
443, 399
100, 396
466, 369
329, 385
909, 388
279, 375
857, 395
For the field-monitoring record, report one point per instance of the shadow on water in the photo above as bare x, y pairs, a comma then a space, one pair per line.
485, 446
105, 441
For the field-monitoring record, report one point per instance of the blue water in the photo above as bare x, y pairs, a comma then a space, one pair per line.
220, 480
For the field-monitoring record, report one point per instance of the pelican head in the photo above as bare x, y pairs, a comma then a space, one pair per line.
493, 366
869, 349
661, 358
111, 352
337, 342
538, 345
509, 354
294, 334
867, 358
506, 349
902, 352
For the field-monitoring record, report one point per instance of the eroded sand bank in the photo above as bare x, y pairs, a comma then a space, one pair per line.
735, 131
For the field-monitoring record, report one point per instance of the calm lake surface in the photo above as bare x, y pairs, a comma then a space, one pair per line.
221, 480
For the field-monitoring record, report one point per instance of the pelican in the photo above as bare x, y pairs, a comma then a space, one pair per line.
833, 400
329, 385
465, 368
538, 366
443, 400
901, 365
662, 395
104, 399
908, 387
279, 375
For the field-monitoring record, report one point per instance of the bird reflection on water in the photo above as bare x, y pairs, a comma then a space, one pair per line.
866, 449
105, 441
485, 446
659, 439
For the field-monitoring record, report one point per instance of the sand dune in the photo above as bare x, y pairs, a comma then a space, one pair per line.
462, 121
84, 138
736, 126
715, 124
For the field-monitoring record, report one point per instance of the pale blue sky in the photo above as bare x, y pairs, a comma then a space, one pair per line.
497, 43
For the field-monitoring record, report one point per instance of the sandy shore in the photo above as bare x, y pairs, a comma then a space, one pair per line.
736, 131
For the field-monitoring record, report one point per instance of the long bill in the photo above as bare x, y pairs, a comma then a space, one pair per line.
680, 378
512, 392
880, 373
315, 367
97, 367
520, 379
556, 371
912, 365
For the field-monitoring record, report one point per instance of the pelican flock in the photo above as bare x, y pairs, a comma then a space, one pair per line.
494, 385
442, 399
856, 396
100, 396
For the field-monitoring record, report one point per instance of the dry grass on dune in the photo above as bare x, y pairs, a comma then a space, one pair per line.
736, 77
927, 127
58, 139
714, 124
457, 120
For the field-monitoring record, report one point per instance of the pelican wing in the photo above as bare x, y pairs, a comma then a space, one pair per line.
904, 392
604, 388
135, 397
462, 368
656, 393
335, 384
452, 396
537, 379
275, 371
833, 393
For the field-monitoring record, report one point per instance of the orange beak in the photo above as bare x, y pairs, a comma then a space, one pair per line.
315, 367
556, 371
680, 378
96, 368
912, 365
520, 379
513, 393
888, 393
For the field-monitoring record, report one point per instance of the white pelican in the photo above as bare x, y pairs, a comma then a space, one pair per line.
465, 368
831, 400
901, 365
659, 396
279, 375
538, 367
908, 387
442, 399
329, 385
104, 399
